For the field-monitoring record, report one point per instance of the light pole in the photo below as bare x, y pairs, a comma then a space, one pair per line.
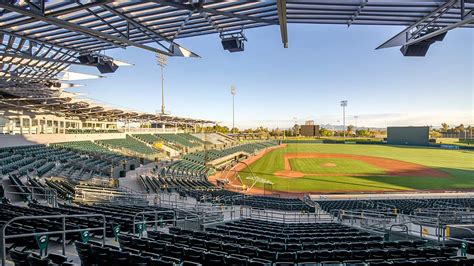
356, 120
162, 62
344, 104
233, 91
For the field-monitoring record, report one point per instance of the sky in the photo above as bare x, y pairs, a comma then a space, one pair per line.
323, 65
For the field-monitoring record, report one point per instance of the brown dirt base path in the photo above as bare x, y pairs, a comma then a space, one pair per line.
239, 167
390, 166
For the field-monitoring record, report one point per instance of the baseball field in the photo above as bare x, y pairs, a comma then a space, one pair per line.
329, 168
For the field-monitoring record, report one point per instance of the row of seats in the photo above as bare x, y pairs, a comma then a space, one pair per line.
90, 131
183, 168
160, 184
64, 189
129, 144
147, 138
27, 258
179, 140
115, 215
192, 138
241, 247
222, 196
201, 157
194, 164
406, 206
216, 138
82, 160
86, 146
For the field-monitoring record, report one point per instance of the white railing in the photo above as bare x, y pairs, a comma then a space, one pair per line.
150, 130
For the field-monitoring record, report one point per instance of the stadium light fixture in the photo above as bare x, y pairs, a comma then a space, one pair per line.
344, 105
233, 91
162, 62
233, 41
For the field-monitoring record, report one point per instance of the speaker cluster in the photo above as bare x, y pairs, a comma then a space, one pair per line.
104, 64
421, 48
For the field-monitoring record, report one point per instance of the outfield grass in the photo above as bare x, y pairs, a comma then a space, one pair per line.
459, 164
341, 166
453, 141
336, 138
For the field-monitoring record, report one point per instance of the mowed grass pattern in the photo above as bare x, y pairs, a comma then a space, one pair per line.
340, 166
459, 164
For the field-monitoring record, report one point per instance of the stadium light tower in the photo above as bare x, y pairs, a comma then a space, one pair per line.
162, 62
356, 117
233, 91
344, 105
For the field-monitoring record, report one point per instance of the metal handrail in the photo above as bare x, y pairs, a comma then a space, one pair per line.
281, 216
62, 232
49, 193
143, 213
460, 239
398, 225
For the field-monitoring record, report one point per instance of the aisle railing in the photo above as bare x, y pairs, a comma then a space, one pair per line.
62, 231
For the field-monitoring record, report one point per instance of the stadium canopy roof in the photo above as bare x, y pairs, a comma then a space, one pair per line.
71, 106
40, 39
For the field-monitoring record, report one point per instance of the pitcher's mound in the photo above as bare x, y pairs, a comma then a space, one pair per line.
328, 164
289, 173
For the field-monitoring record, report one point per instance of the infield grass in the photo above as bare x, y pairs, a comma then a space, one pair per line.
333, 166
457, 163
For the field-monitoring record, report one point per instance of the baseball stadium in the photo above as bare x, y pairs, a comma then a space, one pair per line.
92, 176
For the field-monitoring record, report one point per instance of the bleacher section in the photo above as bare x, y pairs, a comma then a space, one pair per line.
216, 138
181, 140
88, 194
87, 146
115, 215
238, 242
24, 159
64, 189
193, 139
256, 242
221, 196
195, 163
81, 160
184, 168
148, 138
129, 144
91, 131
105, 154
167, 184
32, 188
405, 206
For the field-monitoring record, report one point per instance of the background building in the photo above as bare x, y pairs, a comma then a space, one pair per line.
309, 129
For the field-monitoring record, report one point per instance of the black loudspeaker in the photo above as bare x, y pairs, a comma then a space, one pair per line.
438, 38
107, 67
421, 48
417, 49
87, 59
233, 45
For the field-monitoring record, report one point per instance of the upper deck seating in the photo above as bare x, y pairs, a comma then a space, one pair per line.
129, 144
178, 140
